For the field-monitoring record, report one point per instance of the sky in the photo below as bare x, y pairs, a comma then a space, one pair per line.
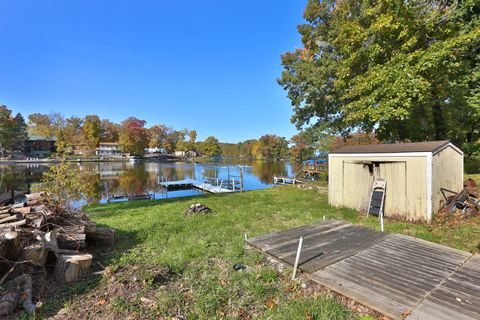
207, 65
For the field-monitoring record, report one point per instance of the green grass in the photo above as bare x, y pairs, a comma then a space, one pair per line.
200, 251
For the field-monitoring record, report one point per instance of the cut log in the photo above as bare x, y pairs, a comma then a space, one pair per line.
22, 286
24, 210
36, 255
103, 237
15, 217
90, 226
14, 224
4, 215
72, 267
35, 221
74, 241
8, 302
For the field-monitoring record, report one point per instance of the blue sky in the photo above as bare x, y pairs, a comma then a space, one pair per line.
205, 65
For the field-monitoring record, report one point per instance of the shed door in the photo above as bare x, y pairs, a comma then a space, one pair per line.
396, 192
357, 182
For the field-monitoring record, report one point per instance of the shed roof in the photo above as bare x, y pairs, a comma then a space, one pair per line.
428, 146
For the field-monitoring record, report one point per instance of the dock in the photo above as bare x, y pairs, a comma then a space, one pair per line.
129, 197
399, 276
193, 184
286, 180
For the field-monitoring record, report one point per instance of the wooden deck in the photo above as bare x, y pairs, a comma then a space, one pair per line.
396, 275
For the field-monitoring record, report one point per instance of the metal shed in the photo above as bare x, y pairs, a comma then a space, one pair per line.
414, 173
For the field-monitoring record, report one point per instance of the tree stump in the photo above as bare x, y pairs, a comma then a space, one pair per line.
103, 237
71, 268
36, 255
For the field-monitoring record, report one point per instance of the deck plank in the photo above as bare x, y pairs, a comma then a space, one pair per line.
392, 269
456, 298
397, 275
324, 243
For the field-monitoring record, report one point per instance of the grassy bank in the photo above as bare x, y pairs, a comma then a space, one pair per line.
167, 263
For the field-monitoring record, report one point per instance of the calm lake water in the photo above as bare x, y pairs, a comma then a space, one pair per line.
115, 178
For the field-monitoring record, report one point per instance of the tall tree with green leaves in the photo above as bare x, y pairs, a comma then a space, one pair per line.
92, 128
272, 147
192, 138
211, 147
407, 70
20, 133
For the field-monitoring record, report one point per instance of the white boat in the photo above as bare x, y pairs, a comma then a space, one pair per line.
133, 159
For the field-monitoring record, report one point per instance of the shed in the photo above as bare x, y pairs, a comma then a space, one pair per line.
414, 173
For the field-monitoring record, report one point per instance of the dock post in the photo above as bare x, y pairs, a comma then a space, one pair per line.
297, 258
241, 179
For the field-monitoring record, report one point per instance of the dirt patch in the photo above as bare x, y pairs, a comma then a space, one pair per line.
131, 290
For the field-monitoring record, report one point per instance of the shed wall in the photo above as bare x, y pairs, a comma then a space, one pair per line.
410, 204
447, 172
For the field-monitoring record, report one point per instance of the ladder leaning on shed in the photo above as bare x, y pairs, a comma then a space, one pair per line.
377, 199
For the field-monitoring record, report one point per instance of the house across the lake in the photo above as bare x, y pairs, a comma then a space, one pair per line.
190, 153
39, 146
109, 149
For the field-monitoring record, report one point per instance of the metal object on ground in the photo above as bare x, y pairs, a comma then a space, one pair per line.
297, 258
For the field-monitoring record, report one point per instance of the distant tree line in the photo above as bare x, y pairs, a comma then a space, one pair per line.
83, 135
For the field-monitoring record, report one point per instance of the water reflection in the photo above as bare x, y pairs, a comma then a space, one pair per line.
105, 179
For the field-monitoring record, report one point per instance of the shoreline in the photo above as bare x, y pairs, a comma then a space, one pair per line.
53, 161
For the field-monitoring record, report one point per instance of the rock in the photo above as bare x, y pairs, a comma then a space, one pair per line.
198, 208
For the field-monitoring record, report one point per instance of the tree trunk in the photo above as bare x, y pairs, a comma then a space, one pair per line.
439, 121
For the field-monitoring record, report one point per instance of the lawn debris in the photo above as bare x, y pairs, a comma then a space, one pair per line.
463, 204
37, 236
198, 208
239, 266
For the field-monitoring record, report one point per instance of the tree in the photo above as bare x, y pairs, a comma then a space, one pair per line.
173, 137
272, 147
49, 126
303, 146
158, 135
40, 124
6, 128
73, 133
182, 146
192, 139
133, 136
20, 133
211, 147
92, 127
109, 131
404, 69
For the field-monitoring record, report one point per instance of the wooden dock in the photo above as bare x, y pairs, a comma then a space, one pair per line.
129, 197
399, 276
193, 184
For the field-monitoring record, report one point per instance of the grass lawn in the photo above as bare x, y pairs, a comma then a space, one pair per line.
182, 266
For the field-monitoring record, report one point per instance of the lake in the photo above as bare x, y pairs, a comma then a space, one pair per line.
107, 179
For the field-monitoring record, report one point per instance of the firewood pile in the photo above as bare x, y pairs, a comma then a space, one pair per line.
465, 203
34, 235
